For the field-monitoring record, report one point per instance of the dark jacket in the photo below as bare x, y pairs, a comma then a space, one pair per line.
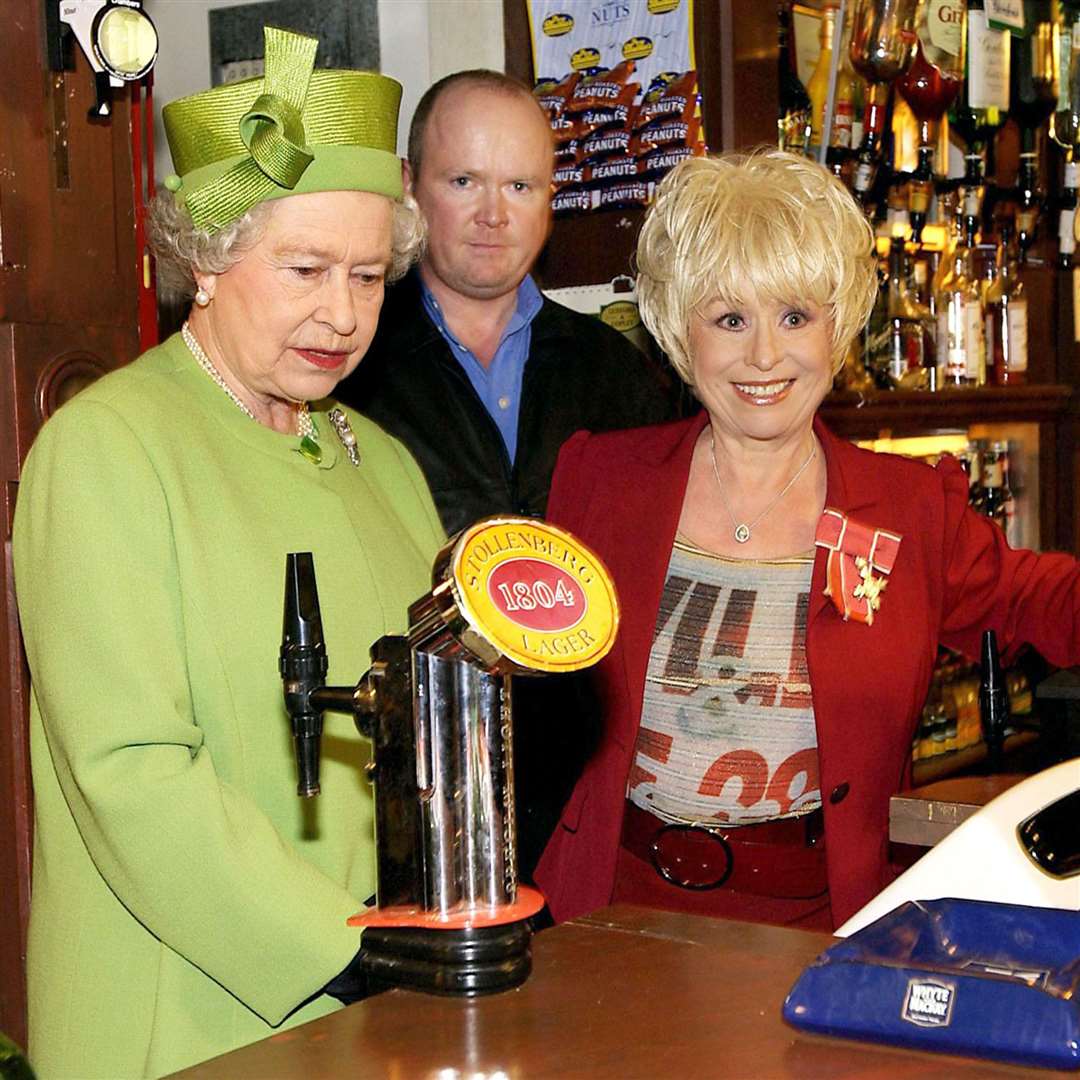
580, 374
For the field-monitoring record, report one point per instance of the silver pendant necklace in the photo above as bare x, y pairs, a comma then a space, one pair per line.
305, 425
743, 529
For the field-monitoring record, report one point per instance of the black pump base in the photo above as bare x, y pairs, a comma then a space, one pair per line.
464, 963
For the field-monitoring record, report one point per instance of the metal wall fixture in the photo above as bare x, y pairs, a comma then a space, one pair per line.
116, 36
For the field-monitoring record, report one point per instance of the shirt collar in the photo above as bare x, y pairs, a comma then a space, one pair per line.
529, 302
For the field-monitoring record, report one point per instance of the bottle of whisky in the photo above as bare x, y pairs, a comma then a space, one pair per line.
794, 120
1033, 93
1067, 213
960, 332
1033, 97
907, 366
1065, 123
1006, 319
984, 99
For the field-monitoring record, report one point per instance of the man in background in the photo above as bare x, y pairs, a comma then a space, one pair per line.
483, 379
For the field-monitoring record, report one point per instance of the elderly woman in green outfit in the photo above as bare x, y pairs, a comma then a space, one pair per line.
184, 900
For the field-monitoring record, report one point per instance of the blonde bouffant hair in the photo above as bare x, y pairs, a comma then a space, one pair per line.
769, 221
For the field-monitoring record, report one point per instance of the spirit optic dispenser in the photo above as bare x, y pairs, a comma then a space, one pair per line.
510, 596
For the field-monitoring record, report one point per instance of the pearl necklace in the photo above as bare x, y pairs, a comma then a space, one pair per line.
305, 427
742, 529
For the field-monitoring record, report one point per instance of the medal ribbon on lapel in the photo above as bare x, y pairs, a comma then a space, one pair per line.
857, 553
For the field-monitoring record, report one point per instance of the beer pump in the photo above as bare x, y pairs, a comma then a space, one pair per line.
510, 596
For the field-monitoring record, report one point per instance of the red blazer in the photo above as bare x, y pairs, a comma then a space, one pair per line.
954, 576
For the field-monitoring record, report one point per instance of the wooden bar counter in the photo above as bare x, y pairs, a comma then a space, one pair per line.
621, 994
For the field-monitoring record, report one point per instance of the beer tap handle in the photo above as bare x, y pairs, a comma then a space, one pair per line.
993, 700
360, 701
303, 666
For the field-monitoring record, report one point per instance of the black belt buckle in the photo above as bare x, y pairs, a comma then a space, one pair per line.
704, 862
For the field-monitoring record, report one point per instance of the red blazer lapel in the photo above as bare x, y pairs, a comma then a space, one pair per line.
639, 532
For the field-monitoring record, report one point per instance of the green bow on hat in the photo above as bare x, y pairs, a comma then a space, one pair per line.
296, 130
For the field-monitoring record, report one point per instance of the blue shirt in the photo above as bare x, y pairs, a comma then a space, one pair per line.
499, 384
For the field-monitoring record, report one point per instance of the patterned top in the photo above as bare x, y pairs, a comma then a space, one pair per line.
727, 724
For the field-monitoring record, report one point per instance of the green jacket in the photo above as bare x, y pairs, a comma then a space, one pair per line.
185, 901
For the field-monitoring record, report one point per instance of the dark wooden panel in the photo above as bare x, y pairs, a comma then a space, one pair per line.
68, 310
866, 416
1043, 285
68, 252
15, 797
745, 52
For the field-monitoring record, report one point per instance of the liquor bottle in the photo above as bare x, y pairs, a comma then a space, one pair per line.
960, 344
882, 48
1029, 201
1009, 497
934, 79
988, 286
858, 83
877, 334
920, 190
972, 463
897, 217
1065, 123
976, 311
1067, 214
984, 100
1018, 686
906, 342
1033, 91
1033, 95
1065, 129
929, 87
794, 120
944, 730
1006, 319
993, 474
971, 188
966, 697
952, 221
818, 86
848, 98
920, 292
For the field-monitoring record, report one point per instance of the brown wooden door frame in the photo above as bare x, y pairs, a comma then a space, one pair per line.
68, 310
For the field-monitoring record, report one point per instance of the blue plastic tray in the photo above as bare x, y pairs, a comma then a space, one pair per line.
1000, 981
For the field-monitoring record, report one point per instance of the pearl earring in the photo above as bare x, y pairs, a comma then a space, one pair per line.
202, 297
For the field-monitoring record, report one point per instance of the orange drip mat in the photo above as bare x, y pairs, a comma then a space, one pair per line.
529, 902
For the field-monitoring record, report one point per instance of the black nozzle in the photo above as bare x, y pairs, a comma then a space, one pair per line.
303, 666
993, 699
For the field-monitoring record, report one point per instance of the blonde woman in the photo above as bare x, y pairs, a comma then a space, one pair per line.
783, 592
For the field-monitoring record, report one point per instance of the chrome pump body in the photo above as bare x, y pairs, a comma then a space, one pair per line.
450, 915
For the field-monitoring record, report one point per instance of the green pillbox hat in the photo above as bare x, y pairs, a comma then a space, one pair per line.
294, 131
